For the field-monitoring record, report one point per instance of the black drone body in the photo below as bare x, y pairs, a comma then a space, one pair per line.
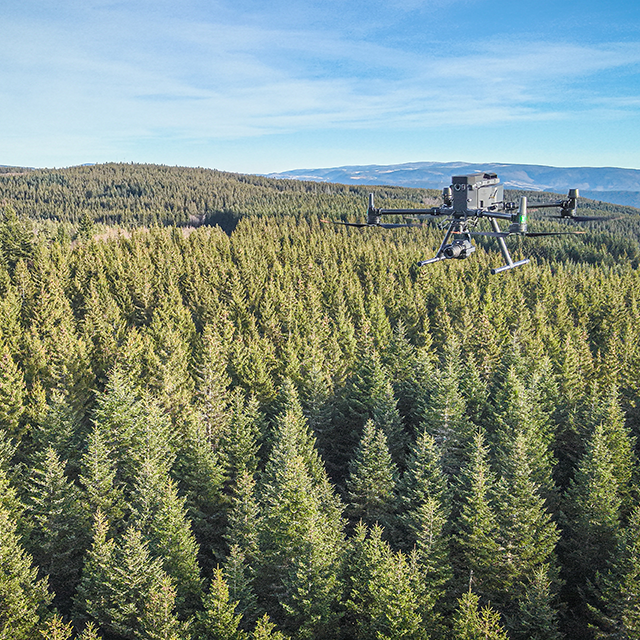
469, 199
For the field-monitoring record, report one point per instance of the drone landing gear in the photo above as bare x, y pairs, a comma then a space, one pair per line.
461, 246
440, 255
505, 252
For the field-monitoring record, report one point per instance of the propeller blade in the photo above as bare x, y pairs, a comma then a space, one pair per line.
586, 218
491, 234
535, 234
384, 225
532, 234
397, 225
347, 224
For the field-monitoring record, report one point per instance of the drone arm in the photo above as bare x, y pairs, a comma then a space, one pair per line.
545, 205
568, 206
434, 211
494, 214
373, 213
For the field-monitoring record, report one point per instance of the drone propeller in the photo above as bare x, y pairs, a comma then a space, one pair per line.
535, 234
586, 218
384, 225
490, 234
347, 224
531, 234
397, 225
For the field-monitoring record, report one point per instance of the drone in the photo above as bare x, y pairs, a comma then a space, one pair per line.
469, 199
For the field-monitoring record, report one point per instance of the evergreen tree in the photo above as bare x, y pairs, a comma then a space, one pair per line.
56, 629
98, 476
55, 353
518, 412
95, 593
212, 383
61, 428
200, 473
104, 327
432, 555
477, 538
23, 598
160, 514
292, 430
591, 526
240, 444
265, 630
239, 574
12, 395
356, 405
527, 536
444, 414
219, 621
385, 414
383, 590
621, 445
316, 394
422, 524
16, 237
132, 429
474, 390
124, 591
372, 479
90, 632
537, 616
575, 371
423, 480
300, 533
297, 570
400, 361
157, 620
618, 612
242, 536
168, 353
59, 531
473, 623
417, 388
244, 517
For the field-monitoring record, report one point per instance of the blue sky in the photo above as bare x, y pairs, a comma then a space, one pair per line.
255, 87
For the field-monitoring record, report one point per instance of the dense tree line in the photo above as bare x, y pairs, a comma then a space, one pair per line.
138, 195
290, 431
135, 195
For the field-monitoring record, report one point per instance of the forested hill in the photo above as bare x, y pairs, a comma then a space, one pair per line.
289, 431
136, 194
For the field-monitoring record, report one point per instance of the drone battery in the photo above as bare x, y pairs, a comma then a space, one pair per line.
475, 191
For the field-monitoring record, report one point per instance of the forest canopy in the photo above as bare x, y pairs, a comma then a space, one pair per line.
288, 430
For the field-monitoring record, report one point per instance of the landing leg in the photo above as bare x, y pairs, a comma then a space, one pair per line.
505, 251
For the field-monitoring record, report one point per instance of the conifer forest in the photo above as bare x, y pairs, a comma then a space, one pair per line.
223, 420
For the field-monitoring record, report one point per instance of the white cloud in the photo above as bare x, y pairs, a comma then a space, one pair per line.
110, 71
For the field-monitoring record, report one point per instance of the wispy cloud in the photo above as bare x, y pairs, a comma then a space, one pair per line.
214, 71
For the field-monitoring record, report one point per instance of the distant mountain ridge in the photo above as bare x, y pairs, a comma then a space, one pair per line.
609, 184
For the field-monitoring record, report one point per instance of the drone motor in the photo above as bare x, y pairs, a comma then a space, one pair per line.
569, 205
